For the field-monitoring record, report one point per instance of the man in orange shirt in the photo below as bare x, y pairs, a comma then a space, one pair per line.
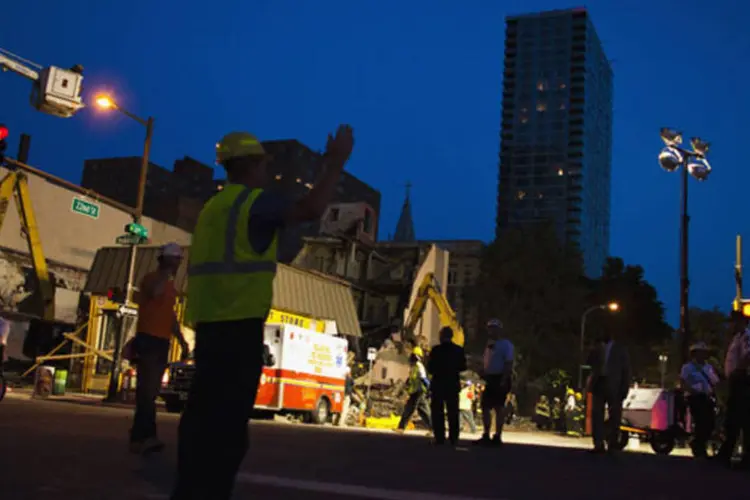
157, 323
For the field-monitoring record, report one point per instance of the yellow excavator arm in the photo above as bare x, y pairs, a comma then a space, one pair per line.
429, 290
15, 186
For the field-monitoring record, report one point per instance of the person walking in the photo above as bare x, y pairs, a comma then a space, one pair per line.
157, 323
699, 379
498, 375
447, 361
231, 271
737, 371
416, 387
608, 383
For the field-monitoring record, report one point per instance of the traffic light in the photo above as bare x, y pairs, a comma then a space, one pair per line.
136, 230
3, 143
116, 295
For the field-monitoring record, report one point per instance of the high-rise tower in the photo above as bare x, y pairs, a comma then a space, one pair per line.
556, 132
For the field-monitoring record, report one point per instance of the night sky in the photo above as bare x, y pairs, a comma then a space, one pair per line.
421, 82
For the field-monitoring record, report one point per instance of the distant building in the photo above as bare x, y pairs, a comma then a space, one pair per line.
176, 197
383, 273
556, 132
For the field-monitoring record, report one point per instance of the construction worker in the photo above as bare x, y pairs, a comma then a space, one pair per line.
231, 271
542, 416
157, 323
447, 361
4, 334
417, 386
465, 405
498, 374
570, 409
557, 415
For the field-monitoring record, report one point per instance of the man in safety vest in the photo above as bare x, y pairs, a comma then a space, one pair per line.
417, 385
232, 264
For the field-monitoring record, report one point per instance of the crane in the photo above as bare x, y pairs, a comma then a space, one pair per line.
429, 290
54, 91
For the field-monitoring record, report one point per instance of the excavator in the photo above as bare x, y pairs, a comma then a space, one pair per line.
15, 186
429, 290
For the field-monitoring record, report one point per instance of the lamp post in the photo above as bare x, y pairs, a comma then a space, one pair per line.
693, 163
106, 102
610, 306
663, 367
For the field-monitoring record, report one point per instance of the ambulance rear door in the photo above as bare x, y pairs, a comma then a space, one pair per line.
270, 389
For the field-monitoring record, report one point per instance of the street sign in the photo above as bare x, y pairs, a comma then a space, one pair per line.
85, 207
128, 239
372, 353
127, 311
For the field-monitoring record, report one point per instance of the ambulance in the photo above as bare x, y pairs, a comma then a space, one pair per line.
304, 374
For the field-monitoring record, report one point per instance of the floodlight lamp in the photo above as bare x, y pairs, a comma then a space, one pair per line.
699, 169
670, 159
699, 146
613, 306
671, 137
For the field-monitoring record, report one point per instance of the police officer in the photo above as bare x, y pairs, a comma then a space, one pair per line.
232, 264
447, 361
498, 374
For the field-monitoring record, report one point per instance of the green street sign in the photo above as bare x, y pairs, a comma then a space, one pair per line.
129, 239
85, 207
137, 230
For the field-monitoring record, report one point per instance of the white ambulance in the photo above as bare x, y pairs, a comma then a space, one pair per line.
305, 374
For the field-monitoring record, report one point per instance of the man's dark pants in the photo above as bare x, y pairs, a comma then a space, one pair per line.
416, 402
737, 418
152, 354
702, 411
445, 400
494, 397
213, 432
604, 396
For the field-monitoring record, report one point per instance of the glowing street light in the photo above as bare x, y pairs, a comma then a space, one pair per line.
694, 163
609, 306
106, 102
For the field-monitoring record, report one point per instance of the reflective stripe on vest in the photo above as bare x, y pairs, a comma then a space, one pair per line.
221, 287
228, 265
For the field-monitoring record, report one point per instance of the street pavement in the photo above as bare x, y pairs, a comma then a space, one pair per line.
62, 450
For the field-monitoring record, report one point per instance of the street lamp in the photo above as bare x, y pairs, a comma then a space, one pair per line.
663, 367
609, 306
106, 102
693, 163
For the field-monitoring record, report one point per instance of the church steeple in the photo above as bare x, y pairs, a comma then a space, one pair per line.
405, 226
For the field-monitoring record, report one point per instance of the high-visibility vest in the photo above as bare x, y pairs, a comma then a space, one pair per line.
227, 279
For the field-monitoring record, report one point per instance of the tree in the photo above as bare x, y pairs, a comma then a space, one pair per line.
532, 283
640, 323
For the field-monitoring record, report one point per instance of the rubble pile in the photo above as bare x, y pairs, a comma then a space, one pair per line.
384, 399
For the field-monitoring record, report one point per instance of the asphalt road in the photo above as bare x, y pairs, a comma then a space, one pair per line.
55, 450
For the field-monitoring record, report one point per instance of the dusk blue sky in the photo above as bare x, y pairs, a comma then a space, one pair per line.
421, 83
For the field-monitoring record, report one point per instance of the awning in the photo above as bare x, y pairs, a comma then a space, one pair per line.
295, 290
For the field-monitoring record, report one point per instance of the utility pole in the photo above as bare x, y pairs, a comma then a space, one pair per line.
738, 273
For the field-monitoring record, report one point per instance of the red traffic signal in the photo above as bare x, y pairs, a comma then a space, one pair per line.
3, 132
116, 295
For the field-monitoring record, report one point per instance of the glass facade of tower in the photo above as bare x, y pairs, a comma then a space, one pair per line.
556, 132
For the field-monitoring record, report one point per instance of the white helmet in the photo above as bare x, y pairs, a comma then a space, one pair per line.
171, 250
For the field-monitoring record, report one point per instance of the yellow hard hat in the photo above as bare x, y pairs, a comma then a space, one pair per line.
570, 391
237, 144
579, 396
418, 351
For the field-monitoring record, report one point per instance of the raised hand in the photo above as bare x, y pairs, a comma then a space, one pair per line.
339, 147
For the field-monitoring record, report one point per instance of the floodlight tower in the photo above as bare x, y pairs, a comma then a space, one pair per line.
695, 164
